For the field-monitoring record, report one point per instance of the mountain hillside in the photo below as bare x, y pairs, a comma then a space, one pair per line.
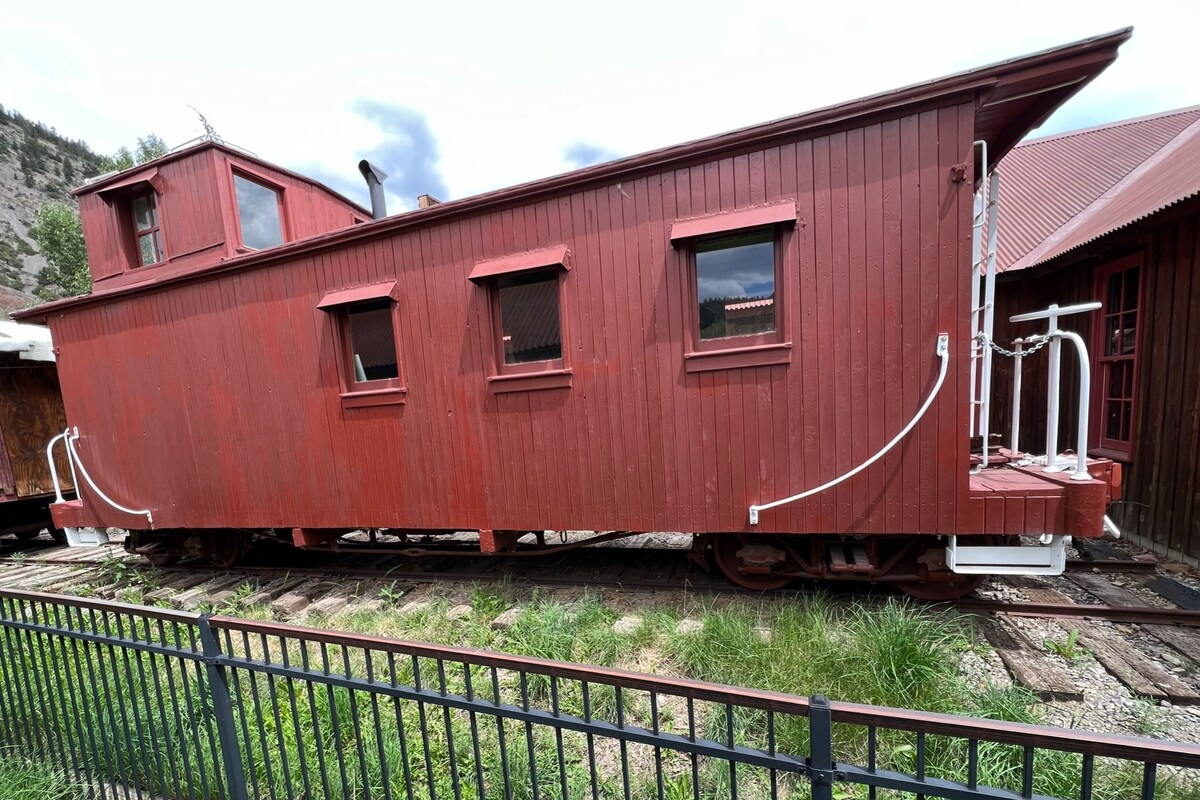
36, 164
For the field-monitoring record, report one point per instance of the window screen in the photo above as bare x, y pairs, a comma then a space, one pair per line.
529, 317
372, 341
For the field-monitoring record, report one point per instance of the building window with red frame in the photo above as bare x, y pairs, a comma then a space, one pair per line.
146, 229
1118, 287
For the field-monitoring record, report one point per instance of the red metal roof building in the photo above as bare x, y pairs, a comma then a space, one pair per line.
219, 383
1111, 213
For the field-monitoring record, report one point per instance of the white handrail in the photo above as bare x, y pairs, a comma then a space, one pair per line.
83, 471
1054, 336
943, 352
1018, 361
1085, 388
58, 495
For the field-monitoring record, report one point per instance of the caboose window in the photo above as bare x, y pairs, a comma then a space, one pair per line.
735, 285
524, 296
372, 341
364, 321
146, 229
530, 328
258, 213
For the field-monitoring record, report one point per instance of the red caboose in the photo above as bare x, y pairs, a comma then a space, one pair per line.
683, 340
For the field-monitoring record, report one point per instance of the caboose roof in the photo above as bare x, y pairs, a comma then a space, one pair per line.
1012, 97
114, 180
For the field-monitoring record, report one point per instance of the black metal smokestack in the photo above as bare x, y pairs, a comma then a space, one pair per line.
375, 178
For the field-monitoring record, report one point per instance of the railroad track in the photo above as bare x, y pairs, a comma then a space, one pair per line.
625, 569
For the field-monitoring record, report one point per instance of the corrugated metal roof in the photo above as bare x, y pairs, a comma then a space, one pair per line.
1062, 191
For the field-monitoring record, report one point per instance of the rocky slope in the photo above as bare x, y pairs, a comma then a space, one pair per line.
37, 164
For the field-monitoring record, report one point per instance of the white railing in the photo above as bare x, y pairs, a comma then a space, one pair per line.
1052, 339
983, 294
75, 537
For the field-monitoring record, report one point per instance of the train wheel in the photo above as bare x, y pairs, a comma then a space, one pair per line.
227, 548
941, 591
28, 536
736, 556
57, 534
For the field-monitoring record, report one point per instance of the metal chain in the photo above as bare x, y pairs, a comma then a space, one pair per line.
984, 339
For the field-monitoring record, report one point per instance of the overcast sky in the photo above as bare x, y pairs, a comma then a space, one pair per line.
454, 99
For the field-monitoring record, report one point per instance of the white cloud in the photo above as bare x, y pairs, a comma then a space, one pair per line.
506, 88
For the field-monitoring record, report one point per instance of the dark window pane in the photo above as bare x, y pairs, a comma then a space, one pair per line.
1130, 301
1114, 294
146, 249
143, 212
373, 341
1112, 335
735, 285
1129, 332
1116, 379
529, 322
1114, 411
258, 212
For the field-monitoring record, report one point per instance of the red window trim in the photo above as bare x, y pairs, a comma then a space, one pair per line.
1099, 444
254, 176
361, 394
550, 374
732, 221
762, 355
374, 291
733, 352
546, 257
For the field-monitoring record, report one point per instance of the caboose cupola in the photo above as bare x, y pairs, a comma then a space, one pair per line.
197, 207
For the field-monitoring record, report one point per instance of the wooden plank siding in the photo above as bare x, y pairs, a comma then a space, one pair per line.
1161, 498
198, 213
237, 420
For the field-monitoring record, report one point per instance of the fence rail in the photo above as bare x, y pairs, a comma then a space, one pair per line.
134, 702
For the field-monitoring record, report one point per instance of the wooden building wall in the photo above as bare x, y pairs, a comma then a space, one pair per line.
31, 413
215, 401
1161, 502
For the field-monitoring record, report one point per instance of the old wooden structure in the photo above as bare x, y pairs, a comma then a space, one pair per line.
1111, 214
31, 412
680, 340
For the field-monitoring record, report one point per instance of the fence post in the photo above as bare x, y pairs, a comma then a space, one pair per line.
820, 748
231, 753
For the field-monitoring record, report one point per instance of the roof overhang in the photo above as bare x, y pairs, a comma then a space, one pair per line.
29, 342
1012, 98
1031, 88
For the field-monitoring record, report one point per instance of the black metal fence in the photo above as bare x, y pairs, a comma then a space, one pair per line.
132, 702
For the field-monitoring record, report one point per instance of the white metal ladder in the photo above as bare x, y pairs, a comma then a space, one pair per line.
983, 298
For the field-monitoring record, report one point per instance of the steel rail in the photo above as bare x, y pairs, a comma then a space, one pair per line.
1140, 615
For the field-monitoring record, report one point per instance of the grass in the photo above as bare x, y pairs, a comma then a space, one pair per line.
23, 779
894, 654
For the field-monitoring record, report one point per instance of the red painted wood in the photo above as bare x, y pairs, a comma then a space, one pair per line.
215, 402
737, 220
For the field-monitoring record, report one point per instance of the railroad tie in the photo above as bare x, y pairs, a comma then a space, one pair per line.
1036, 670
